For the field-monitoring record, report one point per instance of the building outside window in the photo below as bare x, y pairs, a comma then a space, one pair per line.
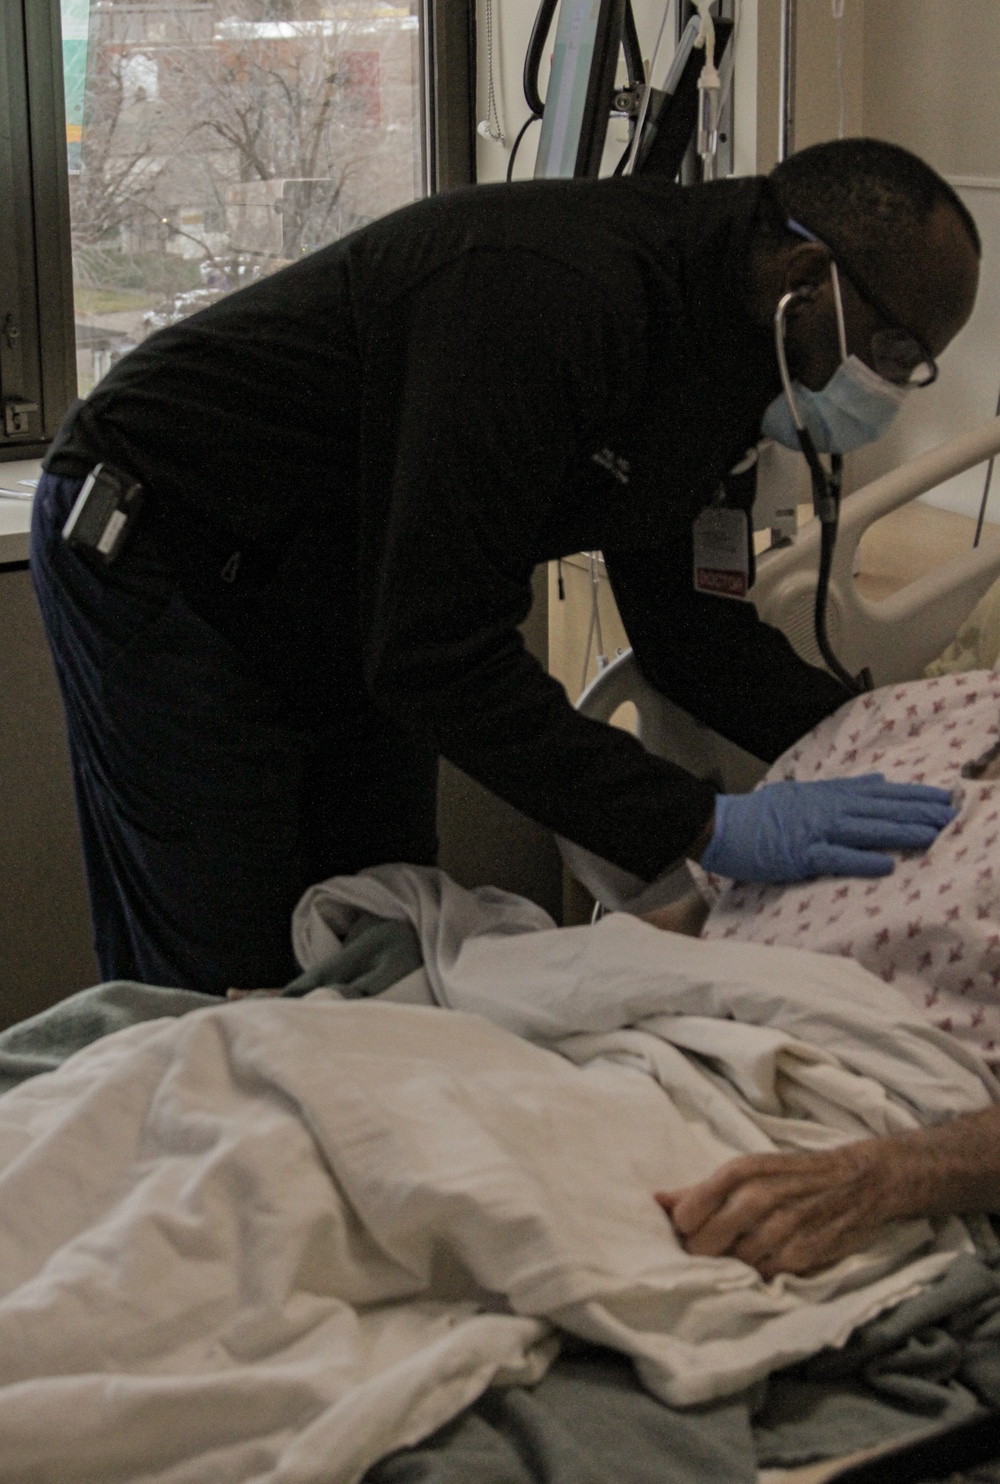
210, 142
157, 154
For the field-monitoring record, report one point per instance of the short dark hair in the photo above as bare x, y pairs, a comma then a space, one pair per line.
869, 198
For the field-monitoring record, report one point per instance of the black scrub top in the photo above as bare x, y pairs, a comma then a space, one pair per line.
425, 411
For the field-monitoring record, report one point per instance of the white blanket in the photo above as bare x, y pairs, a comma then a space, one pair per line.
275, 1240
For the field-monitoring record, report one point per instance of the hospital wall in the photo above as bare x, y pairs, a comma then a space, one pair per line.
924, 74
932, 83
45, 947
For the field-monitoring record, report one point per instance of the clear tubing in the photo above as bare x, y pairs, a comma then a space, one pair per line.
708, 124
708, 93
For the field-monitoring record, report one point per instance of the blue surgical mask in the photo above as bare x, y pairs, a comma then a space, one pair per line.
855, 407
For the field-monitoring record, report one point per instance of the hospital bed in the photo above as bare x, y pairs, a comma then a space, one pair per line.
894, 638
518, 1414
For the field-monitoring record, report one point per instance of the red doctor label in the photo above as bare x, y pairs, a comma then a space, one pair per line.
721, 553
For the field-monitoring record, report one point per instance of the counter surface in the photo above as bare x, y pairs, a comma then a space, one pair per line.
15, 513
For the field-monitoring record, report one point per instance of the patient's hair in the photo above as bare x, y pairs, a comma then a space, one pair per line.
866, 199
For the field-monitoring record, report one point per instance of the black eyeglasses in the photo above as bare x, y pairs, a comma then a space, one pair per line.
897, 354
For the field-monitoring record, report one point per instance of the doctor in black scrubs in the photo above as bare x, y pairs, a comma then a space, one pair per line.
349, 471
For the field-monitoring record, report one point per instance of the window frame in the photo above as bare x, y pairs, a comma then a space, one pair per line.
448, 83
38, 365
36, 281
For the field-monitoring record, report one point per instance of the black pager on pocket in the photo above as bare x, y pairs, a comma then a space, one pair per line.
102, 517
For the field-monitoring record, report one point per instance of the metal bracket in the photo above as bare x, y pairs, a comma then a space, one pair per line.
627, 100
15, 416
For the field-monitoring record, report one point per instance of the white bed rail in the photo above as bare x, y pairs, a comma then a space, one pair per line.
897, 637
668, 731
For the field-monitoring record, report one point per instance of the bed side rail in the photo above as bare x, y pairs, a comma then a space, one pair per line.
897, 637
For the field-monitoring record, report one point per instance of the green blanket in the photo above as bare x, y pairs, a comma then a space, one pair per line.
375, 955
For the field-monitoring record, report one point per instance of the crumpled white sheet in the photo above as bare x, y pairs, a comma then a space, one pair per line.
222, 1248
501, 956
759, 1050
276, 1240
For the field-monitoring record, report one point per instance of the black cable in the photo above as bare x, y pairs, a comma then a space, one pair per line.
529, 77
986, 493
826, 502
636, 72
623, 158
632, 49
531, 119
533, 56
828, 540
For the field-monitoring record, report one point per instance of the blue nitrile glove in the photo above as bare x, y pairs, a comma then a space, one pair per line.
835, 827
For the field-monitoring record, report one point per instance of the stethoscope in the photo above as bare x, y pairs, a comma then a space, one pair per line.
826, 485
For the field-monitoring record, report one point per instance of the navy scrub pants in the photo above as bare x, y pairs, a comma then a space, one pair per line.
207, 801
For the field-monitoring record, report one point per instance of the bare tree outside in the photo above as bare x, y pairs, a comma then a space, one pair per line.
220, 139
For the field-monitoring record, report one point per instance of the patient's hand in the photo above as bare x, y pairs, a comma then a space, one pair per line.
789, 1213
794, 1213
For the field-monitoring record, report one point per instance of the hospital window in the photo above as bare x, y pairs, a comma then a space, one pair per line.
158, 154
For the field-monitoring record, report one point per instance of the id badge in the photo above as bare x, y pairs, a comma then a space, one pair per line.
721, 553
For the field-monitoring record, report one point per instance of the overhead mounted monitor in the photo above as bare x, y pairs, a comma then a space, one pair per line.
577, 101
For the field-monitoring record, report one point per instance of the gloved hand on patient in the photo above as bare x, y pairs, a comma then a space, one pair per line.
834, 827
